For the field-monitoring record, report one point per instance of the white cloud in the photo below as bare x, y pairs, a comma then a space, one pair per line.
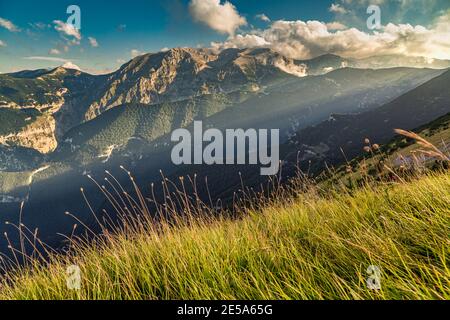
223, 18
242, 41
337, 8
65, 62
68, 30
302, 40
134, 53
292, 68
93, 42
262, 17
70, 65
54, 51
2, 43
165, 49
8, 25
336, 26
54, 59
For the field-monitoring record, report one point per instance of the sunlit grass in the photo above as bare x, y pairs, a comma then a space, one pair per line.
305, 247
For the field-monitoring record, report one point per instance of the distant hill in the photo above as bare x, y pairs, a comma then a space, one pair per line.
390, 61
325, 63
323, 142
302, 102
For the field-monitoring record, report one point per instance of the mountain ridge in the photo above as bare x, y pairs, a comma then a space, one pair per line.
69, 97
345, 133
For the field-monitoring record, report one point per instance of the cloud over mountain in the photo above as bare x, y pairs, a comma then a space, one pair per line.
300, 39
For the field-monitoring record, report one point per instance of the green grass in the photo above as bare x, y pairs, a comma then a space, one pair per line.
309, 246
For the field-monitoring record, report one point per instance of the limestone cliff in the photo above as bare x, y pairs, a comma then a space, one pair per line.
38, 135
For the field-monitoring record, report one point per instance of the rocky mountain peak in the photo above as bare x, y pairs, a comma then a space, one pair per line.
62, 71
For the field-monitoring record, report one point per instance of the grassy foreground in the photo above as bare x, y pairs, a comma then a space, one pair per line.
308, 247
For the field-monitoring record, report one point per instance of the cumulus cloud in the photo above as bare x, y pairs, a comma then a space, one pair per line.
2, 43
242, 41
336, 26
262, 17
223, 18
302, 40
8, 25
93, 42
67, 29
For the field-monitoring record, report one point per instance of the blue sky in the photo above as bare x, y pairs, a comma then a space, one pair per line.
29, 40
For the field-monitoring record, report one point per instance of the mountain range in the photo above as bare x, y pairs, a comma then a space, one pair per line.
59, 126
342, 136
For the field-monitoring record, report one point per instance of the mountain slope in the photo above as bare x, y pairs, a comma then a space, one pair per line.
59, 96
390, 61
411, 110
183, 73
114, 128
299, 103
325, 63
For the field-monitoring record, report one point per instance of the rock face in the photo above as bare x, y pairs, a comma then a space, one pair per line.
38, 135
57, 96
183, 72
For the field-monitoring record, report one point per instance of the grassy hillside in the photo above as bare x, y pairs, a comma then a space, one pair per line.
400, 156
304, 247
